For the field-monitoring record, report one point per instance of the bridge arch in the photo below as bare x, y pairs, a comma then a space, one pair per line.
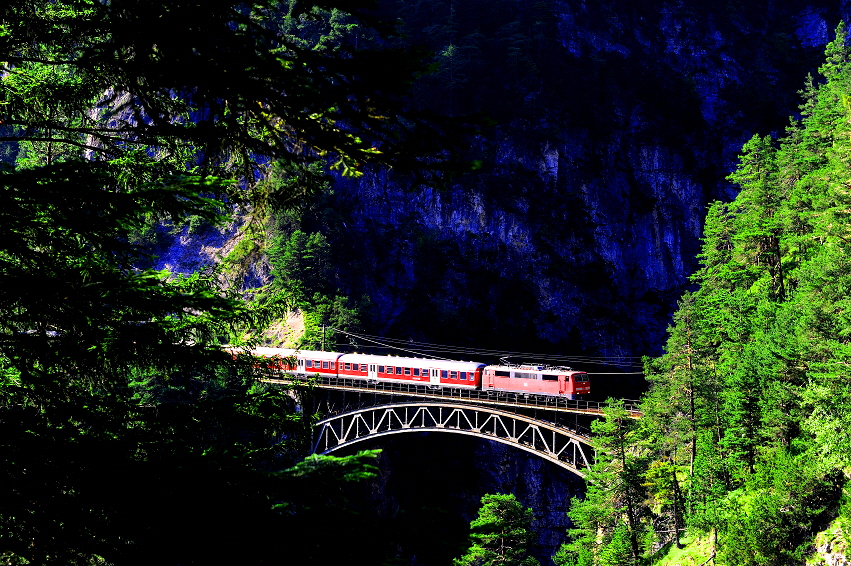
557, 444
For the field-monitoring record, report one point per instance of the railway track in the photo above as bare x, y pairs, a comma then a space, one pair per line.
493, 398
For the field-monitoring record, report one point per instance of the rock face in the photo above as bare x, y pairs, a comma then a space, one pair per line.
831, 547
615, 126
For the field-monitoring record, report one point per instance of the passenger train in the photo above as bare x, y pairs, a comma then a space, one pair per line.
519, 378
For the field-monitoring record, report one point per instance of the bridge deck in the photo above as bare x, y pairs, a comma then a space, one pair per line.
496, 398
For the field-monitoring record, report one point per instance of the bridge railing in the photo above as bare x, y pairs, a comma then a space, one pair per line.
504, 398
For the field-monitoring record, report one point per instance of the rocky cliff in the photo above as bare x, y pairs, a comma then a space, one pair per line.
610, 126
613, 125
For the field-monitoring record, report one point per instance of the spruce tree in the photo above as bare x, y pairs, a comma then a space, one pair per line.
608, 522
127, 434
763, 338
501, 534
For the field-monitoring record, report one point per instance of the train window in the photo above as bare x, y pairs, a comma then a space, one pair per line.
550, 377
309, 363
324, 365
348, 366
580, 376
362, 367
425, 372
407, 371
500, 373
443, 373
519, 375
380, 369
453, 375
398, 370
462, 375
416, 371
389, 369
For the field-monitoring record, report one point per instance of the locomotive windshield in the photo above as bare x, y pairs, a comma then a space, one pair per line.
580, 377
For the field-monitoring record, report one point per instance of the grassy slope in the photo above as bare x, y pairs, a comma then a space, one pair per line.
696, 551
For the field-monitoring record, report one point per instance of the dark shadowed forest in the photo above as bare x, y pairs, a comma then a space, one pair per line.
661, 188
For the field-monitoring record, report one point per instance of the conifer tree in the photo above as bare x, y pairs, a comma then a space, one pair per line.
608, 522
501, 534
764, 337
127, 435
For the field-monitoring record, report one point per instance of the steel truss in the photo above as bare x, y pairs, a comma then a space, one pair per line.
557, 444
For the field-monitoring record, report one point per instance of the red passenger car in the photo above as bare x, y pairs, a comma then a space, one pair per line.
306, 361
446, 373
526, 379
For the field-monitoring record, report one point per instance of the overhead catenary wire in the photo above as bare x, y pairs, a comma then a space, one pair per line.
388, 346
432, 350
479, 351
462, 349
613, 360
555, 358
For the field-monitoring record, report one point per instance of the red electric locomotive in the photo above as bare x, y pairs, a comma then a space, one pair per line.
540, 380
526, 379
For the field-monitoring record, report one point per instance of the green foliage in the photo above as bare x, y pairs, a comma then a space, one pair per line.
769, 520
748, 406
607, 523
326, 315
301, 263
746, 421
501, 534
127, 434
303, 271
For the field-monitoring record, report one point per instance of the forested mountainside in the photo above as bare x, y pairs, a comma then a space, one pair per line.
573, 218
745, 435
607, 129
560, 211
128, 434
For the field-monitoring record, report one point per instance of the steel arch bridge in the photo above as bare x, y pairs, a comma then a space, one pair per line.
557, 444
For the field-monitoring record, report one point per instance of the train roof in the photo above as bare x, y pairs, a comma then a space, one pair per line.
288, 352
404, 361
409, 362
536, 368
366, 358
